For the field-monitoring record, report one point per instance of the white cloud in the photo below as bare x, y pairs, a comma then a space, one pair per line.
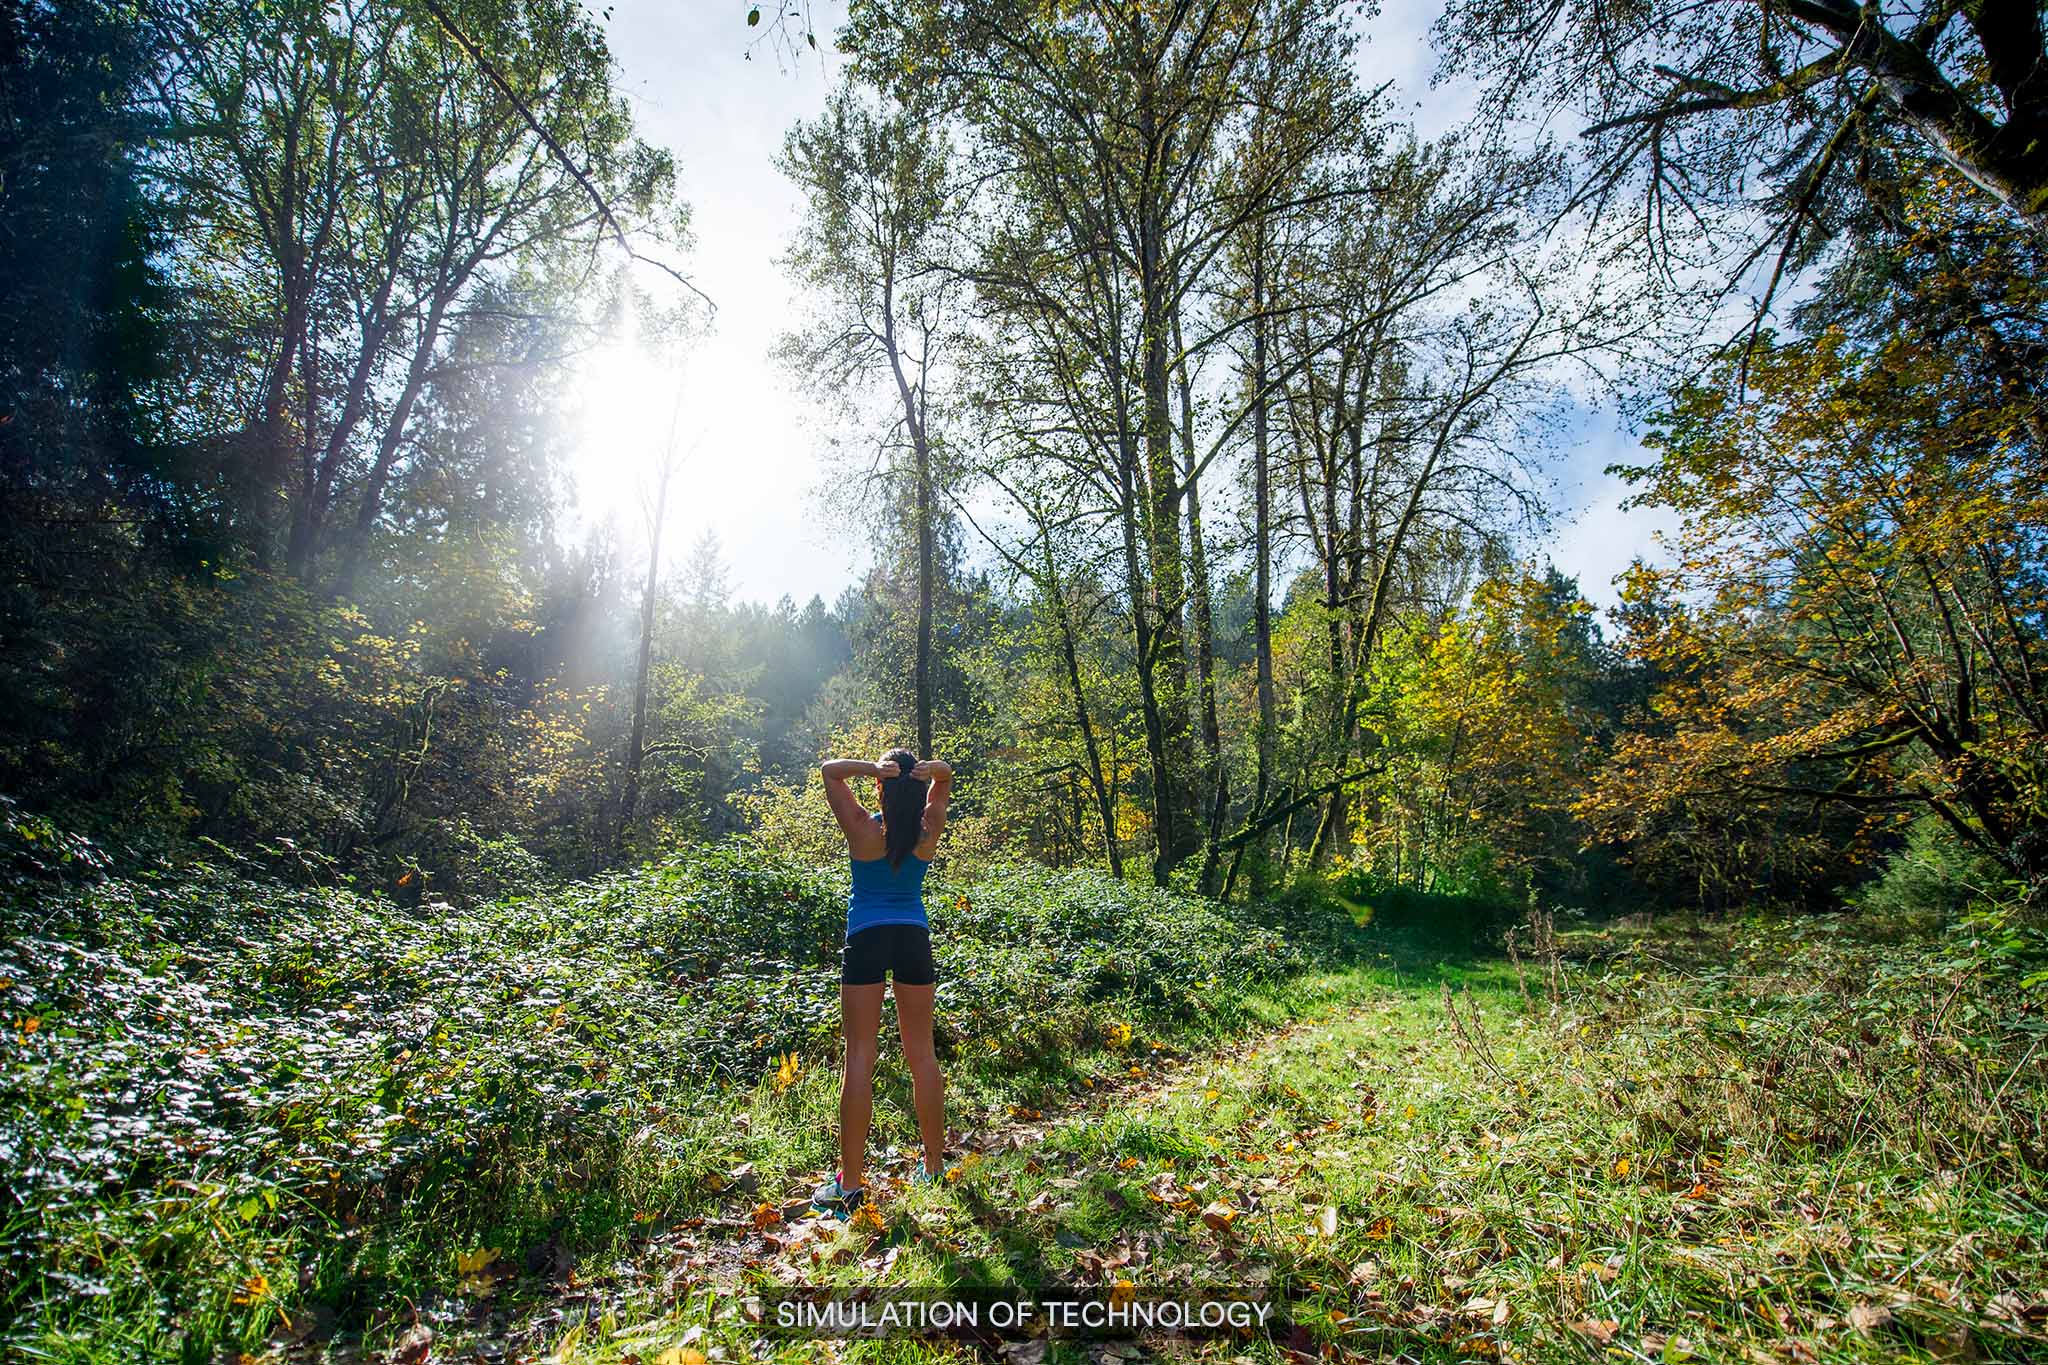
1596, 538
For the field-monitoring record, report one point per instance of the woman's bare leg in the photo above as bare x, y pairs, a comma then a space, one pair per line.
927, 1086
860, 1016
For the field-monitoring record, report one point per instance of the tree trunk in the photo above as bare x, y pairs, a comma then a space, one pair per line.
636, 742
1213, 770
1178, 828
1262, 559
1103, 803
379, 478
920, 445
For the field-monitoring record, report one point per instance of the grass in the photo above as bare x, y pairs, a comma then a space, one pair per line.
1696, 1153
231, 1108
1747, 1140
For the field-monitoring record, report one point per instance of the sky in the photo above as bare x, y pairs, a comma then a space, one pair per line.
749, 454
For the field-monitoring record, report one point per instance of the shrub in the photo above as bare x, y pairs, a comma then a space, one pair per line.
1933, 873
1470, 915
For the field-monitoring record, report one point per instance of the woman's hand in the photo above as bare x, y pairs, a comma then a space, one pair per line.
931, 769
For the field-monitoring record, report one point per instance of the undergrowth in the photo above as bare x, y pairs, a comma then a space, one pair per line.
228, 1101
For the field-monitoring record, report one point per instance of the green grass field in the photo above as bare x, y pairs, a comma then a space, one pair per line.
1757, 1141
1741, 1140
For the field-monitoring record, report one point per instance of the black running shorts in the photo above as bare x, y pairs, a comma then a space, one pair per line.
902, 949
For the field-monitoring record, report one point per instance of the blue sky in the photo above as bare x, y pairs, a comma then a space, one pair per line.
751, 457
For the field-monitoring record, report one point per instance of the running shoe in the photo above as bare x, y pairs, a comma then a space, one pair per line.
835, 1199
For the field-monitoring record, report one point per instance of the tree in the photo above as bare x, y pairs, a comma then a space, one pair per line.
1105, 134
876, 254
1825, 106
1855, 617
1411, 339
356, 182
1491, 719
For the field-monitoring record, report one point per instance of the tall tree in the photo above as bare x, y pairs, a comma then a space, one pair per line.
1108, 129
356, 182
876, 253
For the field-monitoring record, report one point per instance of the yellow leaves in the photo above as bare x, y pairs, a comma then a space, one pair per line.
1604, 1271
787, 1069
1219, 1215
1380, 1229
478, 1271
766, 1216
959, 1169
1117, 1035
681, 1355
1621, 1168
255, 1289
868, 1218
471, 1262
1212, 1095
1129, 1163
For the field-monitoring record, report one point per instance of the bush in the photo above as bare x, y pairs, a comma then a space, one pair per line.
1474, 914
1933, 873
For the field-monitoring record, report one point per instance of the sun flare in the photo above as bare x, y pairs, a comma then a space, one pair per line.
627, 402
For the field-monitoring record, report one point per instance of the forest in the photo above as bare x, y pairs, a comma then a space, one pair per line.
420, 901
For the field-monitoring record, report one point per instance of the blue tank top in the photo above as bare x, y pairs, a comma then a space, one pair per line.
883, 894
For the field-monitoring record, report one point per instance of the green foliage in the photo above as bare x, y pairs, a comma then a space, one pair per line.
1469, 907
339, 1077
1933, 873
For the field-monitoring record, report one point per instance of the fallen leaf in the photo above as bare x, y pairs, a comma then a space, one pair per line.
1219, 1215
470, 1262
415, 1347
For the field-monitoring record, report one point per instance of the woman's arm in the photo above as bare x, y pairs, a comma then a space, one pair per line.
940, 774
846, 807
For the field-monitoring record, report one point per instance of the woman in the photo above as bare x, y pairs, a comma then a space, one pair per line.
886, 934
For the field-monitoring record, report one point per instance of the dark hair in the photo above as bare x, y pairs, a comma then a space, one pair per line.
902, 807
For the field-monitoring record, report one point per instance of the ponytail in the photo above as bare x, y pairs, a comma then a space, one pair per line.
903, 799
